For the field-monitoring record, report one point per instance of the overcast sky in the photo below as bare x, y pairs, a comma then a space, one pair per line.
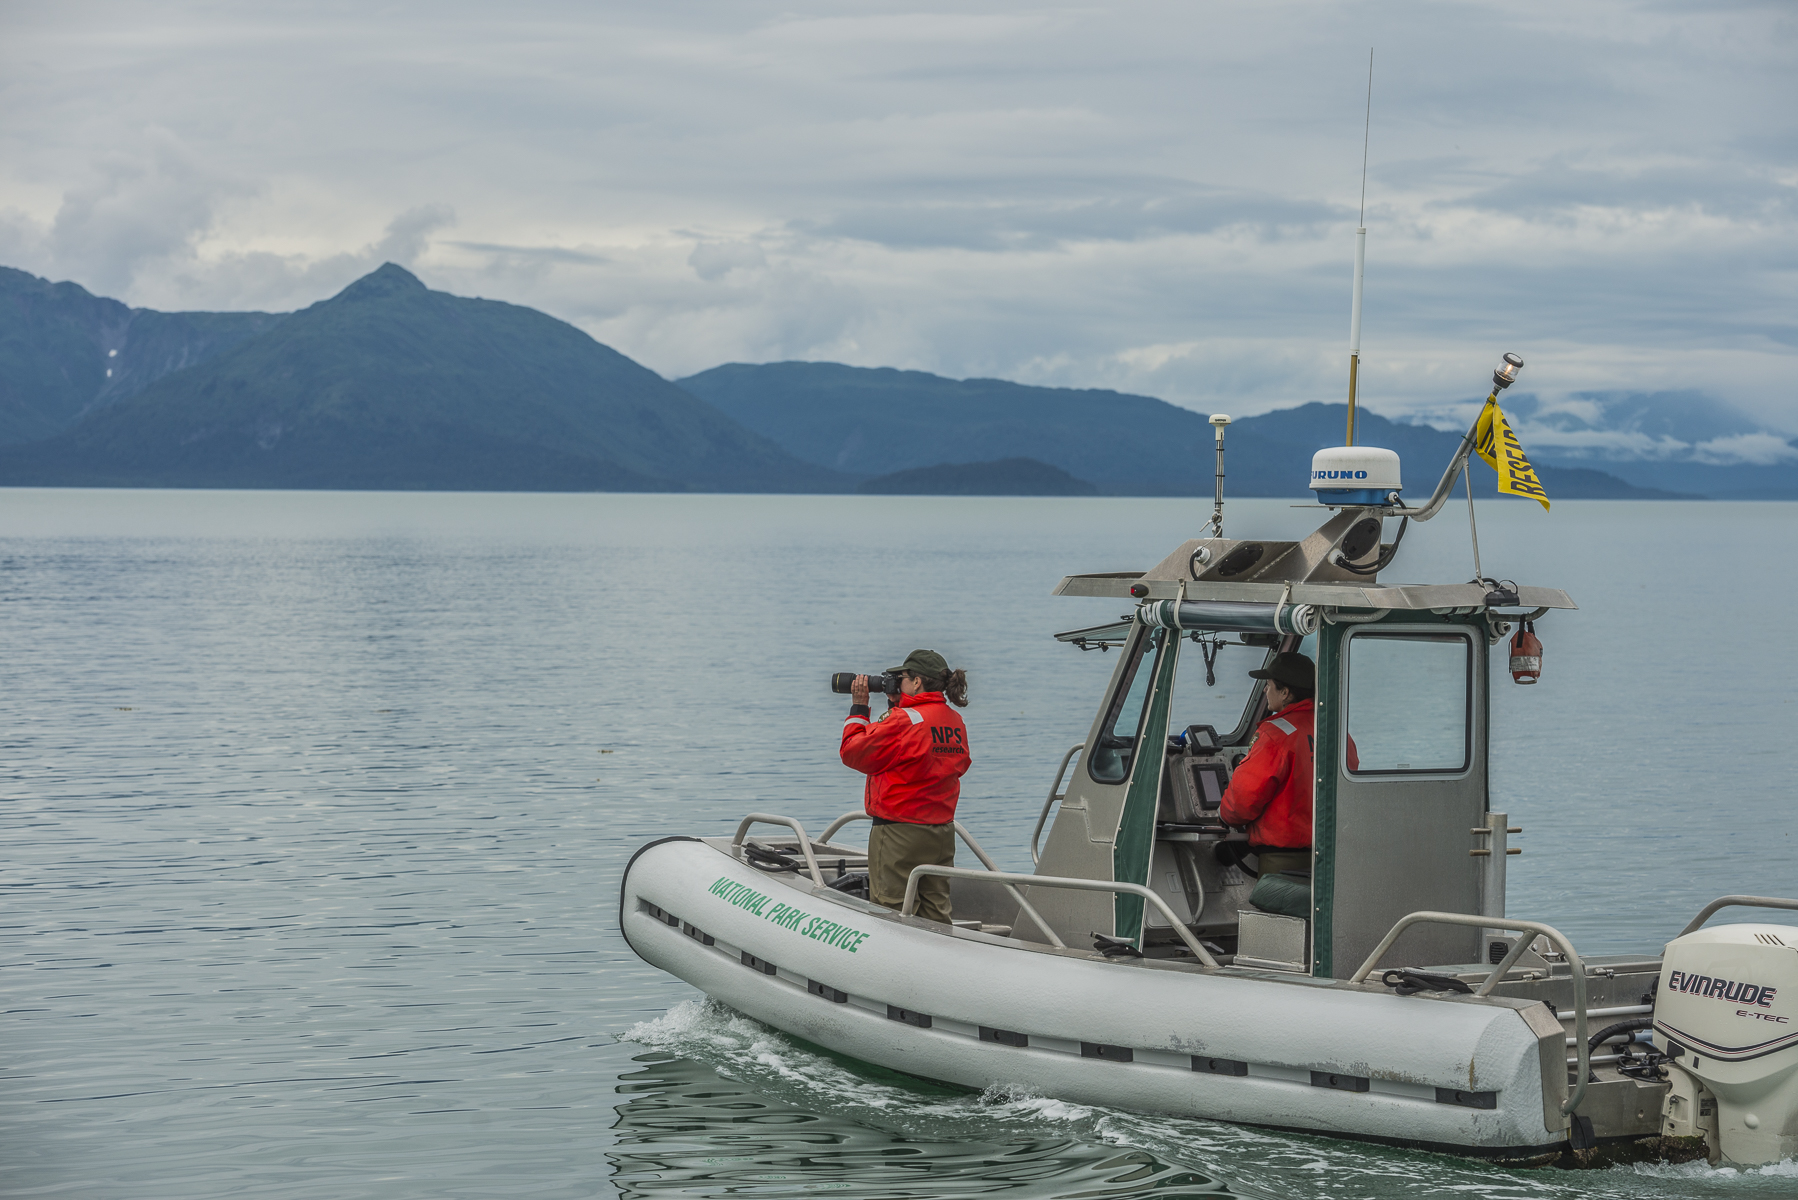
1157, 197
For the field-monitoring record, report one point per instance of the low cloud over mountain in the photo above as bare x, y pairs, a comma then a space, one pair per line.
1683, 440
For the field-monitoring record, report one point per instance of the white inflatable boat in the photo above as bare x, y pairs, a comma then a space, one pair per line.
1131, 969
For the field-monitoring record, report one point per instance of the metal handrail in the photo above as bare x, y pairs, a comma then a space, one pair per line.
1043, 816
1622, 1010
1080, 885
1574, 965
1028, 909
1710, 909
1335, 616
805, 843
830, 830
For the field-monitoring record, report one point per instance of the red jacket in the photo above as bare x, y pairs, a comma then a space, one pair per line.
1270, 790
914, 758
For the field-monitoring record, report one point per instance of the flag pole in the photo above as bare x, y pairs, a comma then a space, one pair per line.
1360, 259
1473, 528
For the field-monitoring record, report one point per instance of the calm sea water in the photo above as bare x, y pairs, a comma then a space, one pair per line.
314, 807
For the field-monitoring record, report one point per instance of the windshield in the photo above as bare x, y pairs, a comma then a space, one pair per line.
1220, 694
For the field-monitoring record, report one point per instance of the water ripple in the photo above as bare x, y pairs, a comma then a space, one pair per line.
313, 808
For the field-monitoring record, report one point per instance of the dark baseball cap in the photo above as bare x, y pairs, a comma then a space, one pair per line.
927, 664
1290, 668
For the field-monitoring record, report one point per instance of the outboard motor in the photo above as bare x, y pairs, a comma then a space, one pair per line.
1726, 1014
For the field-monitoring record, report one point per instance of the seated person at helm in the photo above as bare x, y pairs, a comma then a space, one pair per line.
1270, 790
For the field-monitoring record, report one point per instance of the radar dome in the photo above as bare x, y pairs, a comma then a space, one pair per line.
1355, 475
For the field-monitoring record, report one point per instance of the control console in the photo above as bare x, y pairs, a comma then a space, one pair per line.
1197, 773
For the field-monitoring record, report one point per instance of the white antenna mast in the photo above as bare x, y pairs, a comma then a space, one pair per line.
1360, 258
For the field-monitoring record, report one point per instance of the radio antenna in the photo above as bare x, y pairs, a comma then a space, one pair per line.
1360, 257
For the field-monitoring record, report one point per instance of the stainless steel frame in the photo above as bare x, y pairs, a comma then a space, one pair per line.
1055, 793
1722, 902
992, 870
805, 843
1057, 881
1446, 484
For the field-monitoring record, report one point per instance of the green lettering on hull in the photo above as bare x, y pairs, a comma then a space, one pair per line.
819, 929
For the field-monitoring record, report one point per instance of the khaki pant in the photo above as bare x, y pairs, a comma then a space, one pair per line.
893, 850
1272, 862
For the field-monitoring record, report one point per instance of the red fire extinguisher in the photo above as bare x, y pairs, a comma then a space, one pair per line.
1526, 654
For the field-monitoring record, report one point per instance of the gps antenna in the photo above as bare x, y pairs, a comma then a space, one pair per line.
1218, 421
1360, 257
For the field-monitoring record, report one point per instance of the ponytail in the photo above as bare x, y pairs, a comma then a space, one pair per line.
953, 686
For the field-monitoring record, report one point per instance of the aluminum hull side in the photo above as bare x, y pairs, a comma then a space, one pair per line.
1284, 1029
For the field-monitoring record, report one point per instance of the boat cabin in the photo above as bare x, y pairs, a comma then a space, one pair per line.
1403, 677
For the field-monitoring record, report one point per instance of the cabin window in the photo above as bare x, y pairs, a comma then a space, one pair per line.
1410, 702
1109, 761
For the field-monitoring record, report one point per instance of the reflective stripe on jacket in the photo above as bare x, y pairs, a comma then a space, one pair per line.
1270, 790
914, 758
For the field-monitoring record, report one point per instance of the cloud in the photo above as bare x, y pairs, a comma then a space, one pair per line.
1758, 449
1677, 417
1602, 443
533, 254
275, 281
1008, 223
1682, 426
141, 222
714, 260
1698, 186
131, 208
1159, 197
408, 235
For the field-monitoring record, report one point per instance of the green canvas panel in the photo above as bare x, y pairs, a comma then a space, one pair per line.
1136, 829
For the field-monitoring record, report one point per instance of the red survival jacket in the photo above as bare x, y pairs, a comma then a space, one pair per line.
1270, 790
914, 758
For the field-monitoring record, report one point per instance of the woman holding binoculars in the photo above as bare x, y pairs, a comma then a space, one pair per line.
914, 757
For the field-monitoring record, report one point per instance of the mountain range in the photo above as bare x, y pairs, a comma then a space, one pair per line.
391, 385
864, 420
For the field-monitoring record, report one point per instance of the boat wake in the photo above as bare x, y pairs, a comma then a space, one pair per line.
800, 1120
738, 1047
1785, 1169
855, 1121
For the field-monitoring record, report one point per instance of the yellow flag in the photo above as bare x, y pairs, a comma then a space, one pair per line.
1495, 442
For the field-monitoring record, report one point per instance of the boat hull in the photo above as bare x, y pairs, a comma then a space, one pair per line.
1318, 1056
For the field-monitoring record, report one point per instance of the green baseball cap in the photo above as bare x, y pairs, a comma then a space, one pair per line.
926, 664
1290, 668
